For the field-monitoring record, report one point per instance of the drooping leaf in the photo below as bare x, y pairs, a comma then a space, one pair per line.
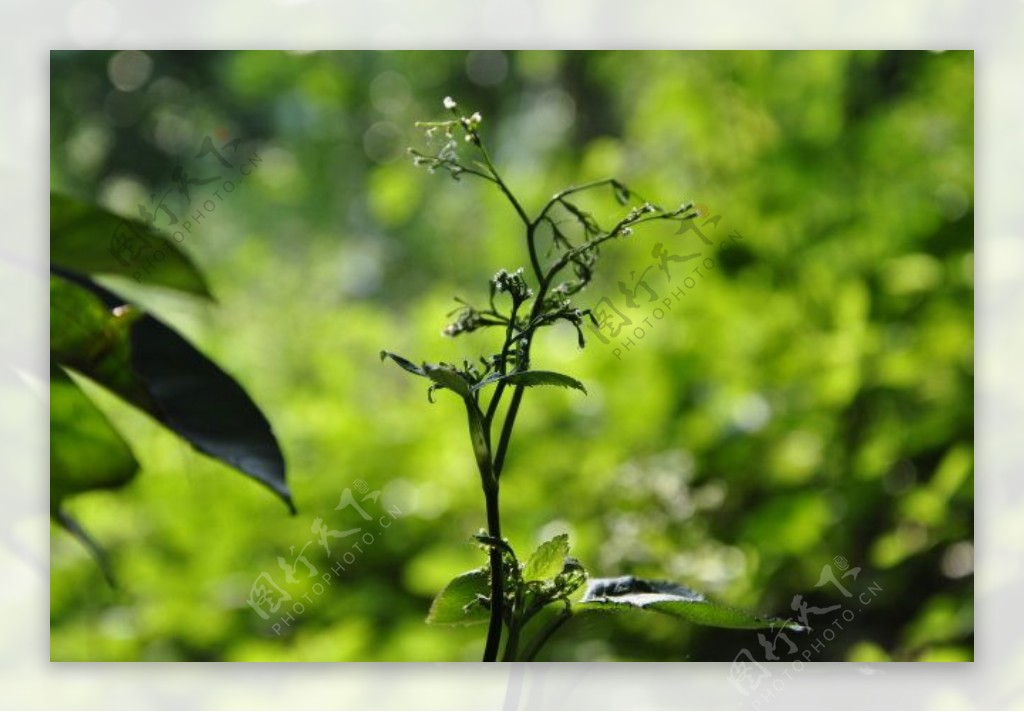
451, 380
548, 560
458, 603
403, 362
88, 239
534, 378
628, 592
86, 452
151, 366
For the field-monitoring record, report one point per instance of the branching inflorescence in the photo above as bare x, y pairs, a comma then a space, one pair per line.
511, 593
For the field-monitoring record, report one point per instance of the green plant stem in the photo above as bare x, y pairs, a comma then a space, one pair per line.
512, 644
497, 574
545, 635
501, 184
557, 197
506, 430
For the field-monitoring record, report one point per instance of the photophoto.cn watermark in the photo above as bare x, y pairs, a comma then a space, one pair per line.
625, 328
276, 599
753, 680
195, 197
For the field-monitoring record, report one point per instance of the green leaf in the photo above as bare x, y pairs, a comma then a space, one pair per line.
444, 377
628, 592
403, 362
90, 337
86, 452
548, 560
448, 378
534, 378
458, 603
149, 365
88, 239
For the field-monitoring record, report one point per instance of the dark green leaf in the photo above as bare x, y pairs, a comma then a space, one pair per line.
87, 239
450, 379
149, 365
548, 560
627, 592
404, 363
459, 602
535, 378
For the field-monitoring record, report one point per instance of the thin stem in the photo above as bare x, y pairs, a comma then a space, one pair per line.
557, 197
506, 430
530, 224
501, 184
512, 643
500, 388
545, 635
616, 231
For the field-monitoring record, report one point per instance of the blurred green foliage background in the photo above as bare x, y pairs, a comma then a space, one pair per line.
810, 397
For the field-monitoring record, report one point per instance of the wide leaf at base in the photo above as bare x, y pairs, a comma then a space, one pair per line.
459, 602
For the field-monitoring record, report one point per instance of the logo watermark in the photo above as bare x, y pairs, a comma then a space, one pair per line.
752, 679
279, 603
610, 322
180, 217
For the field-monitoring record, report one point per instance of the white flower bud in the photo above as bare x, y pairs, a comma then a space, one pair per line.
449, 103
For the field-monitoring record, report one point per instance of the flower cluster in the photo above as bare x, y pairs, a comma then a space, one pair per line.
513, 284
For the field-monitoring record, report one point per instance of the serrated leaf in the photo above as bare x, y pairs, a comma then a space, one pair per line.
88, 239
534, 378
448, 378
458, 602
548, 560
628, 592
149, 365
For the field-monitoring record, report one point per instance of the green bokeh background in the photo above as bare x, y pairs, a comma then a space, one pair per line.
810, 397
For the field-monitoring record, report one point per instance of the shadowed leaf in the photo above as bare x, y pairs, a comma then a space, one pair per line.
151, 366
88, 239
627, 592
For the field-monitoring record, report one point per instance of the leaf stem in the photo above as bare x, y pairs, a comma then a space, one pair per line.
545, 635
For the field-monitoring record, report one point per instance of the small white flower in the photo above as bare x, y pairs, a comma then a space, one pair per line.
626, 232
449, 103
476, 118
